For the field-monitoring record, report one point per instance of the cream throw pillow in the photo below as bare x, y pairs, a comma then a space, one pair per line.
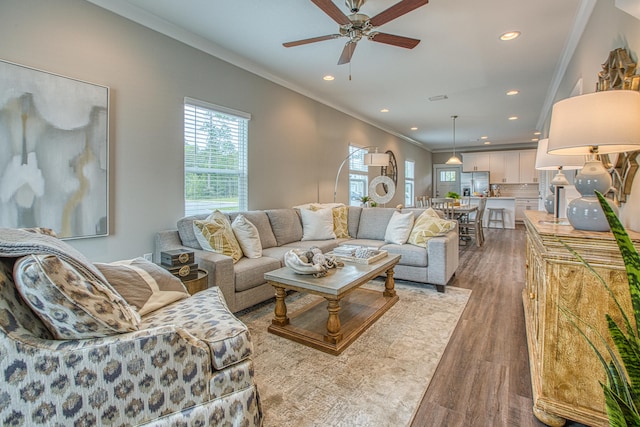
247, 235
143, 284
216, 235
317, 225
428, 225
399, 228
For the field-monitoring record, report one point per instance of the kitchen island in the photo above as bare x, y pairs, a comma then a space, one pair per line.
507, 203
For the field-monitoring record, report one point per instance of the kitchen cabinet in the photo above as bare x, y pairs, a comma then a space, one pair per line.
527, 163
523, 205
475, 162
505, 167
565, 372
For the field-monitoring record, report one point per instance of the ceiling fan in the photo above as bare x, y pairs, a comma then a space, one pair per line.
358, 25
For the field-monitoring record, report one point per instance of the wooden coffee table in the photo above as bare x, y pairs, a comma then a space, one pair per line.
349, 311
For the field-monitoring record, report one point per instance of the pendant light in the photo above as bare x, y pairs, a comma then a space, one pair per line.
454, 160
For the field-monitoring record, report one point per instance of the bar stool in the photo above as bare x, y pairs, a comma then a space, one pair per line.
496, 215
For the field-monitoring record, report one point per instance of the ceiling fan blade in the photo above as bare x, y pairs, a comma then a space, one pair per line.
311, 40
400, 41
347, 53
395, 11
330, 8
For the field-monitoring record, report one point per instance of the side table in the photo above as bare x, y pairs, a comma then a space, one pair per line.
198, 284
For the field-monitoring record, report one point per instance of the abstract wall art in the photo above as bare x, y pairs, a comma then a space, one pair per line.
53, 152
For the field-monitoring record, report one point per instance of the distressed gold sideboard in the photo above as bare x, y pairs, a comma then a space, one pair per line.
565, 373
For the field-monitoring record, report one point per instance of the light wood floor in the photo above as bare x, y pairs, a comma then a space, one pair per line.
483, 377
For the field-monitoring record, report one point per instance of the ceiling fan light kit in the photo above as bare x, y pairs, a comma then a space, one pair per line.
358, 25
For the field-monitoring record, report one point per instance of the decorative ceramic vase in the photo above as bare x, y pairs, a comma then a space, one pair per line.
548, 203
585, 213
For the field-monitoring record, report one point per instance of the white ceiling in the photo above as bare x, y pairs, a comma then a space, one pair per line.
460, 56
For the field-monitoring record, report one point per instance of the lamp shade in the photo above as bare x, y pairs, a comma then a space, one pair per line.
608, 121
546, 161
376, 159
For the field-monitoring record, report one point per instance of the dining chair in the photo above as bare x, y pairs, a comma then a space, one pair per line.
445, 205
472, 228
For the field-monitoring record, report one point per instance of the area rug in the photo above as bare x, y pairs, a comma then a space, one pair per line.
377, 381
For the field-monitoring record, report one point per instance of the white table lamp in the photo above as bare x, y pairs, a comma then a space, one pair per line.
596, 123
556, 203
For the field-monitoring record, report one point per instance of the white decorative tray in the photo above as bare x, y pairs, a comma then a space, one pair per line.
378, 255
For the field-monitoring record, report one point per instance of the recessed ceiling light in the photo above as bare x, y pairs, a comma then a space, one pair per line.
537, 133
484, 137
487, 142
328, 77
510, 35
513, 118
534, 139
513, 92
414, 128
384, 110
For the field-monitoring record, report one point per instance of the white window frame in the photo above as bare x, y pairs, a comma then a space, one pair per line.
409, 182
358, 175
196, 114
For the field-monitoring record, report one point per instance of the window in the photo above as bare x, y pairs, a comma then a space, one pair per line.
409, 181
358, 175
448, 176
215, 158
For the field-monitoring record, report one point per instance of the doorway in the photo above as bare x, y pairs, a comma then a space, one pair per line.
446, 178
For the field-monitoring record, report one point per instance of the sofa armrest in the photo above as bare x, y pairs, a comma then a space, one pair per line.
443, 256
219, 267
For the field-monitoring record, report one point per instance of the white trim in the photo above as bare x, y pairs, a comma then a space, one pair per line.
219, 108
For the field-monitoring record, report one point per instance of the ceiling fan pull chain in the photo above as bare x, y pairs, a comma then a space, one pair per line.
349, 70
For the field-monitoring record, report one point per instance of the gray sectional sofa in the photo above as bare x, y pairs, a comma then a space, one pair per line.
280, 230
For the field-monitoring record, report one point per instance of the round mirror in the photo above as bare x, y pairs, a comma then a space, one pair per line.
377, 189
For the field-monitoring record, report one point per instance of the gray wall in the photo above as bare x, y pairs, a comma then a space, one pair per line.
295, 143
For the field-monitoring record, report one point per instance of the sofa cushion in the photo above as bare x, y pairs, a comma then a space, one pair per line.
286, 225
143, 284
69, 304
411, 255
205, 316
399, 227
373, 223
249, 272
354, 220
216, 235
428, 225
261, 221
317, 224
247, 236
324, 245
186, 232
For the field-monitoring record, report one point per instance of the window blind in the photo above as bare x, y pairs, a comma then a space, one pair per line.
215, 158
409, 182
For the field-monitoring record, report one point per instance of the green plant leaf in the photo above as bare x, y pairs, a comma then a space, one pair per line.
629, 255
619, 413
630, 354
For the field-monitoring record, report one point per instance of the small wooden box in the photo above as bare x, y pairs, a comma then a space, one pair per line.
176, 258
184, 272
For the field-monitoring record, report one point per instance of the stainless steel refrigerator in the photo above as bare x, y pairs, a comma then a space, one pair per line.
474, 183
